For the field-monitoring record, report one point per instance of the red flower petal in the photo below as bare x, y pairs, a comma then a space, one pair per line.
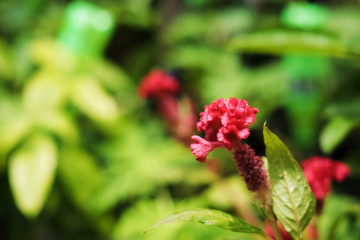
203, 147
226, 120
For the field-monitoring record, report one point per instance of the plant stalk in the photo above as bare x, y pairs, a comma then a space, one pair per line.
275, 229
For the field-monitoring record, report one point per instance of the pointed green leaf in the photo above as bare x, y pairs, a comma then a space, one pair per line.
91, 98
335, 131
31, 173
210, 217
293, 201
284, 42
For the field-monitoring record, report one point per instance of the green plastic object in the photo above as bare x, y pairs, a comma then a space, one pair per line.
304, 15
307, 75
86, 28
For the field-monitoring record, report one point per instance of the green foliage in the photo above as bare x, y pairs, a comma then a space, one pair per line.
91, 98
81, 156
14, 125
195, 25
129, 225
340, 219
81, 188
210, 217
280, 42
335, 132
31, 171
5, 61
293, 201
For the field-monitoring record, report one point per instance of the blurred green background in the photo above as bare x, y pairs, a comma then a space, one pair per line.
82, 157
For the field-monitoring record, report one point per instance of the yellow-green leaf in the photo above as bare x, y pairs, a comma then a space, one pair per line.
31, 173
89, 96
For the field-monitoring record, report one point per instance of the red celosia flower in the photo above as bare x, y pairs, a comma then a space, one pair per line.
226, 120
225, 124
320, 172
157, 83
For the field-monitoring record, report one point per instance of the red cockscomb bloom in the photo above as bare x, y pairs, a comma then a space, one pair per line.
223, 121
225, 124
157, 83
320, 171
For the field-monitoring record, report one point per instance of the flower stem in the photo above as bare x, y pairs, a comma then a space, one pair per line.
275, 229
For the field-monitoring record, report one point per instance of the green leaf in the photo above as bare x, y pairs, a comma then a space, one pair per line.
339, 219
335, 131
210, 217
283, 42
44, 91
50, 55
81, 177
89, 96
130, 225
59, 123
6, 68
14, 126
293, 201
31, 173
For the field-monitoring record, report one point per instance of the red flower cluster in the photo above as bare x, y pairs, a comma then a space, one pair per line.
157, 83
225, 124
223, 121
320, 172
